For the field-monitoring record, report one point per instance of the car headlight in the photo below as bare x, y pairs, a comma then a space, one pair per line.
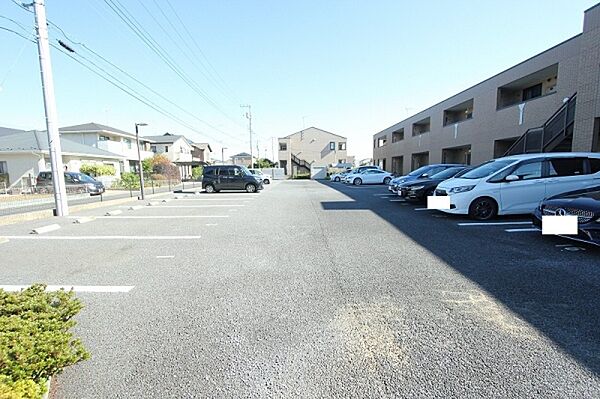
461, 189
416, 187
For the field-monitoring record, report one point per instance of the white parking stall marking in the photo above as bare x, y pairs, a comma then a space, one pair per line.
45, 229
492, 223
76, 288
162, 217
423, 209
135, 207
82, 220
113, 213
165, 256
522, 230
202, 206
211, 224
381, 195
83, 238
217, 199
397, 200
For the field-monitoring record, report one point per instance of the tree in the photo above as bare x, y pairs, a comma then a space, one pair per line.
197, 172
264, 163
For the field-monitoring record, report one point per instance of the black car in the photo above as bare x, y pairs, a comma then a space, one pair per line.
419, 190
585, 204
75, 183
229, 177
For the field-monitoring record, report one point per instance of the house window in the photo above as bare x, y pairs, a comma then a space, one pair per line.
103, 138
3, 167
342, 146
332, 145
127, 143
153, 148
166, 148
282, 146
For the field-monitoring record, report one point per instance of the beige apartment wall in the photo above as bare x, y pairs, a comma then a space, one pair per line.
312, 145
578, 62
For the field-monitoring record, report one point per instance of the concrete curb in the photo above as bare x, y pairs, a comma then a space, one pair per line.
47, 213
47, 394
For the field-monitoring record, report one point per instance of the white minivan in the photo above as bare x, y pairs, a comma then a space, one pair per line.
516, 184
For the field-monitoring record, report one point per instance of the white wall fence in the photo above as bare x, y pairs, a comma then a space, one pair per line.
276, 173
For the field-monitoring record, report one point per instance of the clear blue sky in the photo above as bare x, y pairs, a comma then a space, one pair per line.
350, 67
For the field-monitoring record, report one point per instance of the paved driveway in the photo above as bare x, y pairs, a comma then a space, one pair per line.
317, 290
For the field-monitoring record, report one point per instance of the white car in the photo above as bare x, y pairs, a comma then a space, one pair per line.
517, 184
338, 176
369, 176
265, 178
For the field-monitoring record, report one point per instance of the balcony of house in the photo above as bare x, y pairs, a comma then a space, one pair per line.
421, 127
460, 154
380, 141
110, 144
397, 135
459, 113
538, 84
183, 157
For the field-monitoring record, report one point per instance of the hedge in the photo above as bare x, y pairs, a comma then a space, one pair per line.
35, 341
97, 170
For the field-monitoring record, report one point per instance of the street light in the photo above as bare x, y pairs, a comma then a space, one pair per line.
223, 154
140, 170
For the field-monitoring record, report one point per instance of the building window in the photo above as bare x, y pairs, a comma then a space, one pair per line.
398, 135
103, 138
532, 86
282, 146
381, 141
332, 145
342, 146
127, 143
532, 92
341, 161
459, 113
3, 167
153, 148
166, 148
422, 126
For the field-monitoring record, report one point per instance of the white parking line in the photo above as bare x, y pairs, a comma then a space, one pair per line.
76, 288
201, 206
113, 213
521, 230
102, 237
211, 224
423, 209
216, 199
165, 256
490, 223
161, 217
381, 195
82, 220
398, 200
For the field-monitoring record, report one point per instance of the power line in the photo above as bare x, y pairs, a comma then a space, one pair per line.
18, 34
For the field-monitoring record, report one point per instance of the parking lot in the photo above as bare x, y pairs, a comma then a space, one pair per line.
315, 289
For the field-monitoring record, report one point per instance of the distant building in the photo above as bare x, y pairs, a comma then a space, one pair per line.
311, 147
201, 152
550, 102
110, 139
243, 158
23, 154
177, 149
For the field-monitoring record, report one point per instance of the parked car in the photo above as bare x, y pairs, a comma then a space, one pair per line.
229, 177
358, 170
337, 177
266, 179
369, 176
516, 184
74, 181
420, 173
419, 190
585, 204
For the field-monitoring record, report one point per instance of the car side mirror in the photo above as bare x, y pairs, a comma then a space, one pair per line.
511, 178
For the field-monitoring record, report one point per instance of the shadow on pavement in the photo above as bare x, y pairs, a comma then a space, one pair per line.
555, 291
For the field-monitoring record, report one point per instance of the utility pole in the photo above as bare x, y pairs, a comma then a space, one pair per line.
141, 169
223, 155
249, 117
54, 147
273, 149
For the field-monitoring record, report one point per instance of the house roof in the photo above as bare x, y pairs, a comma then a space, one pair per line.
93, 127
166, 138
315, 128
6, 131
241, 155
202, 145
37, 141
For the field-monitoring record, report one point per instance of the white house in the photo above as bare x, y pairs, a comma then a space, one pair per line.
112, 140
23, 154
177, 149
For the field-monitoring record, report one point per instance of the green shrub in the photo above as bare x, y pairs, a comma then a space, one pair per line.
197, 172
98, 169
35, 342
301, 176
129, 180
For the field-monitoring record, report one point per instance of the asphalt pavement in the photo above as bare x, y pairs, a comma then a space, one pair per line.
315, 290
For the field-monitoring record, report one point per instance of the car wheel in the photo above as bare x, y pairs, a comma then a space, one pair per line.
250, 188
210, 188
357, 181
387, 180
483, 208
337, 179
266, 181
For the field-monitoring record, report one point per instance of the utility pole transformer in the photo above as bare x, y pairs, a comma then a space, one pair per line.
54, 147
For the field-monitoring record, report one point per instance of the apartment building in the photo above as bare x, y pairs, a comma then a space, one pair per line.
549, 102
311, 147
110, 139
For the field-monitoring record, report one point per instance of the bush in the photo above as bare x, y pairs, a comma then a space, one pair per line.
157, 176
98, 170
35, 342
197, 172
129, 180
301, 176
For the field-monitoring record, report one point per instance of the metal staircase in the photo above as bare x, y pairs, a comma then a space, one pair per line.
554, 135
300, 163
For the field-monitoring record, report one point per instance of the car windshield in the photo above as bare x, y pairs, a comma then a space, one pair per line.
245, 171
447, 173
420, 171
487, 169
84, 178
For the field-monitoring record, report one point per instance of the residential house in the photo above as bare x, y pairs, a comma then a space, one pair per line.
112, 140
311, 147
201, 152
177, 149
25, 153
243, 158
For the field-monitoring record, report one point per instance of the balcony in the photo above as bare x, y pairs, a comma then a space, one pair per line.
459, 113
421, 127
532, 86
